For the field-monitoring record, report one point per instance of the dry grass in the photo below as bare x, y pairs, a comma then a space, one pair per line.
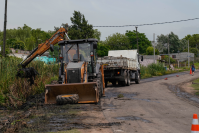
13, 90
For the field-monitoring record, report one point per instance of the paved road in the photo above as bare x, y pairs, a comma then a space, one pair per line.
154, 106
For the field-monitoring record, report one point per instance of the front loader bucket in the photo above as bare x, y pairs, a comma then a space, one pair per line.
87, 92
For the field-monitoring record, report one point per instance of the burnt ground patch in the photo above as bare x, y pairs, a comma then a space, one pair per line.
50, 118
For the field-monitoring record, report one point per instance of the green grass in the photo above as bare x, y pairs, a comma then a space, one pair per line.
152, 70
196, 86
13, 90
196, 65
158, 70
120, 96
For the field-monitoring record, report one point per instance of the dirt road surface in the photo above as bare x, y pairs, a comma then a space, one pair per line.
153, 106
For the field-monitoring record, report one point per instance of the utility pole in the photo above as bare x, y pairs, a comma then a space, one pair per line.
4, 36
137, 40
154, 47
168, 52
188, 55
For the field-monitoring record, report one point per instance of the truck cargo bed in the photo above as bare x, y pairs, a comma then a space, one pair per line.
111, 62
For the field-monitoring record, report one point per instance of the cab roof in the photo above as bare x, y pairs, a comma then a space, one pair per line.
77, 41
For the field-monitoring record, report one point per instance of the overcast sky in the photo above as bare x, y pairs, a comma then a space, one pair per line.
46, 14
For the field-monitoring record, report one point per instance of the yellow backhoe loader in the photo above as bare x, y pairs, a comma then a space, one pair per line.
81, 79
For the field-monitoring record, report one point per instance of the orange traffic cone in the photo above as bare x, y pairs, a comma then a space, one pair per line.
190, 71
195, 124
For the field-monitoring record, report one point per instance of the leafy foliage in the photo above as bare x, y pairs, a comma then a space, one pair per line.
150, 51
102, 49
143, 42
175, 43
152, 70
193, 40
25, 38
97, 34
14, 91
80, 29
118, 41
166, 58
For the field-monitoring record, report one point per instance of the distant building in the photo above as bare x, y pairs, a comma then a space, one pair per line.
183, 56
149, 59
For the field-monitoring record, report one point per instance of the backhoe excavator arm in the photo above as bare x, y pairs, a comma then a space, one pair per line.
24, 72
58, 36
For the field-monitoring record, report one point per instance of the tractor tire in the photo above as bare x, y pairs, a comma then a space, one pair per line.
137, 77
67, 99
128, 79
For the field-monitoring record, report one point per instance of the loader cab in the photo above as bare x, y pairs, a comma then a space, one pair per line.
79, 50
76, 52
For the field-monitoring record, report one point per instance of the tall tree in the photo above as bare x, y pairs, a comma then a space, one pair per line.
175, 44
80, 29
193, 40
118, 41
102, 49
150, 51
192, 50
97, 34
143, 41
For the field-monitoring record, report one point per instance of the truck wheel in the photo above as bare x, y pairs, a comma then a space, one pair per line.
125, 79
137, 77
67, 99
113, 83
128, 80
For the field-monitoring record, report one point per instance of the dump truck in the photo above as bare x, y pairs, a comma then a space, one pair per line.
81, 78
122, 66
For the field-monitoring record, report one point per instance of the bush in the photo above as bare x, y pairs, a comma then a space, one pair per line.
152, 70
14, 91
7, 52
150, 51
166, 58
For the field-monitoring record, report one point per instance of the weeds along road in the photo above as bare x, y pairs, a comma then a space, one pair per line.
153, 106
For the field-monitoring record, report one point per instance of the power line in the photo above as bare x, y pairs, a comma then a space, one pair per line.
150, 24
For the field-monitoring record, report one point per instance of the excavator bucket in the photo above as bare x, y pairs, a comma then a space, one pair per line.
87, 92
